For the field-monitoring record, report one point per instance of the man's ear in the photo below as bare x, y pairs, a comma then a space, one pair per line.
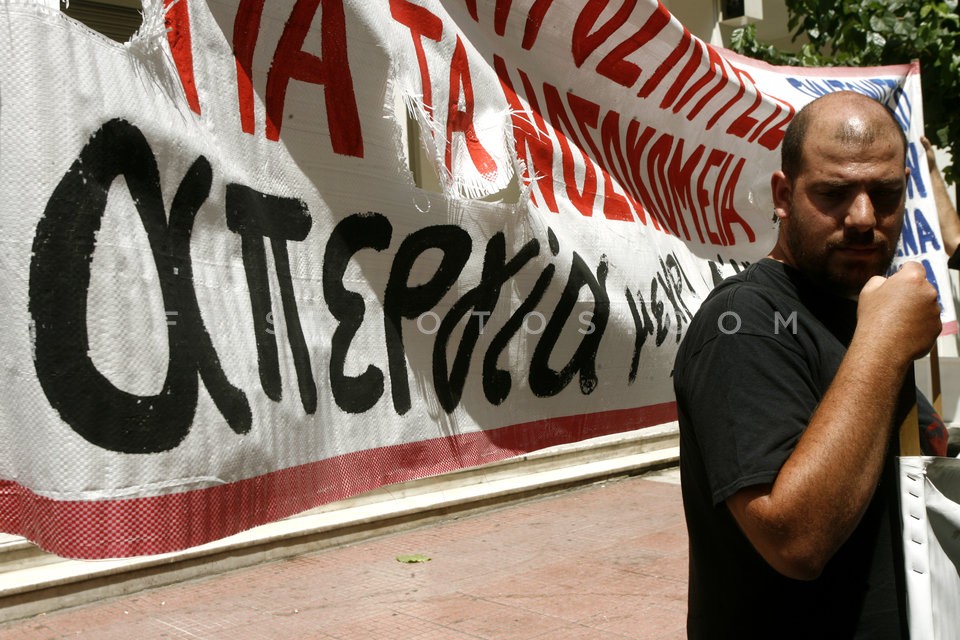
781, 188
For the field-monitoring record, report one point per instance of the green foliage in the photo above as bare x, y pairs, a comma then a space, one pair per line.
864, 33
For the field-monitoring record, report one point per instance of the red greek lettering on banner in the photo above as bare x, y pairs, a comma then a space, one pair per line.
462, 121
422, 24
332, 70
177, 22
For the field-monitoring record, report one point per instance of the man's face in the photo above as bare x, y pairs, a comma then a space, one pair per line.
844, 210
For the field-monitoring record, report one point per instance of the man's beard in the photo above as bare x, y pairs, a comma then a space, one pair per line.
816, 266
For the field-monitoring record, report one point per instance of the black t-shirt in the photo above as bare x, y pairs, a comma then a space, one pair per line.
755, 363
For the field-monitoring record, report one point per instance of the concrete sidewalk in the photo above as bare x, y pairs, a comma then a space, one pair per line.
603, 562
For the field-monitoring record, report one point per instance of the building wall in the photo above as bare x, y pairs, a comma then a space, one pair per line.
706, 19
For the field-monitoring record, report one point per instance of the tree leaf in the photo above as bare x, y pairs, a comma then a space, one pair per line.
413, 558
880, 32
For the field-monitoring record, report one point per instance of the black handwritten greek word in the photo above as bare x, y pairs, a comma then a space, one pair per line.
255, 216
63, 249
116, 420
668, 286
642, 171
356, 394
480, 301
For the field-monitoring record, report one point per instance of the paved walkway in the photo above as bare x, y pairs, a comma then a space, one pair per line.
604, 562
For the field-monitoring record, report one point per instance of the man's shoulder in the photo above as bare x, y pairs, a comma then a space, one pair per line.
763, 285
760, 302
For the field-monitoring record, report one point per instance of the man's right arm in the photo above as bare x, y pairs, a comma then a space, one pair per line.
800, 520
946, 212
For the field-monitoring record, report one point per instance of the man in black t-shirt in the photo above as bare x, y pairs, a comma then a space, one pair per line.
787, 390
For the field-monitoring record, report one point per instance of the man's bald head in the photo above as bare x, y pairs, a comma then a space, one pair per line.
850, 118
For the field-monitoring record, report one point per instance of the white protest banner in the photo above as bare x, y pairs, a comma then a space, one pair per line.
227, 302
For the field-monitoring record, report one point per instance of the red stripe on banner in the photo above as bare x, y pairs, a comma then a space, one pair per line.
177, 22
167, 523
949, 328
